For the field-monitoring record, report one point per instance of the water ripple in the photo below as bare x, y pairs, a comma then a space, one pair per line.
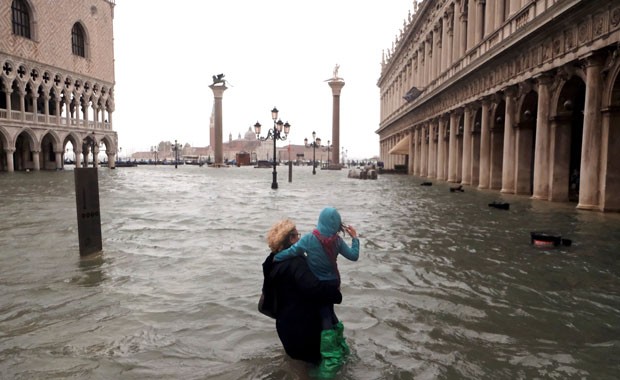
445, 288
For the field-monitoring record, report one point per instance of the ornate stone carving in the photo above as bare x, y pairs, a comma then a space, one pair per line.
557, 46
615, 17
569, 38
598, 25
584, 32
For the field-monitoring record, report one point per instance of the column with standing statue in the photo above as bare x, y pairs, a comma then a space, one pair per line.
218, 87
336, 84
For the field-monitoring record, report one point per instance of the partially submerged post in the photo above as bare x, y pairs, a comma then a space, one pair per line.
290, 170
87, 208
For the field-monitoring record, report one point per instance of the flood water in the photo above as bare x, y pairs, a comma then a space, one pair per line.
445, 288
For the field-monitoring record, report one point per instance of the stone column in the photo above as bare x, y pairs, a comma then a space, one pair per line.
485, 146
467, 146
22, 103
458, 31
110, 115
46, 106
609, 161
35, 160
422, 66
445, 47
35, 97
432, 150
96, 109
7, 96
437, 61
411, 168
58, 156
499, 14
589, 186
218, 93
78, 157
417, 151
441, 146
67, 111
10, 165
111, 160
471, 24
479, 29
428, 59
96, 156
452, 150
541, 149
57, 105
84, 109
336, 84
449, 41
508, 161
515, 5
489, 17
424, 151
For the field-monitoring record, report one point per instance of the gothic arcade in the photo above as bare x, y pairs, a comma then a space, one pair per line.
55, 88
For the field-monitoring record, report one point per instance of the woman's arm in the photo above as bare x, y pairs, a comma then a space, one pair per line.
312, 287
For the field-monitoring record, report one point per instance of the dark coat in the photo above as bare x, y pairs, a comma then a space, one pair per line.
298, 295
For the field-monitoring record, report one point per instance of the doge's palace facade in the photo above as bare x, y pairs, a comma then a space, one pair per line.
56, 82
518, 96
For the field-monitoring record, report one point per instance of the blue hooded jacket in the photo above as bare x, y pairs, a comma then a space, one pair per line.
318, 260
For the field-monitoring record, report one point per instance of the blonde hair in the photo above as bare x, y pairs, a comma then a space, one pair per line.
279, 233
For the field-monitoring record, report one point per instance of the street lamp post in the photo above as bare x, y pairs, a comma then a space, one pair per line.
314, 144
329, 145
176, 153
274, 134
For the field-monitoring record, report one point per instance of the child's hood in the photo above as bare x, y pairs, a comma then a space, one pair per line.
329, 221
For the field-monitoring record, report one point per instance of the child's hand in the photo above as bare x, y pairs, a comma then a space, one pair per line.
351, 231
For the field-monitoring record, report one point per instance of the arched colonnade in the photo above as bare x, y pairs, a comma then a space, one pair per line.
555, 137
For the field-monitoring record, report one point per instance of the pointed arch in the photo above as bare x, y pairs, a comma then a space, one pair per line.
79, 40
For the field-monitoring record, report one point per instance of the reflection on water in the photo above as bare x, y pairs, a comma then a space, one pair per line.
445, 288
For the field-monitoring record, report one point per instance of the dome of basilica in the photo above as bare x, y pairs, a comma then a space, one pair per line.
250, 135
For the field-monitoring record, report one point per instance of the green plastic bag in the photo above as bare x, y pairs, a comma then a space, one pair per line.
343, 343
332, 355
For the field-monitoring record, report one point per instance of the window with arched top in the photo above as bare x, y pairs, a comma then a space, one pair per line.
21, 18
77, 40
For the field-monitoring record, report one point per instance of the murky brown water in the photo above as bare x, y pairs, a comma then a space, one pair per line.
446, 287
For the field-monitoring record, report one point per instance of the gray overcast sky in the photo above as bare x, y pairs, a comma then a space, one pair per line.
272, 52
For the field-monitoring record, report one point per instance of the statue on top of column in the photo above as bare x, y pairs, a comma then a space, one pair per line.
335, 77
219, 78
336, 68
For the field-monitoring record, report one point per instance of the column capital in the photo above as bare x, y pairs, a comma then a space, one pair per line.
336, 86
218, 90
593, 59
544, 79
510, 91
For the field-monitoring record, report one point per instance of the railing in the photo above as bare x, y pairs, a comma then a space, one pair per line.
53, 120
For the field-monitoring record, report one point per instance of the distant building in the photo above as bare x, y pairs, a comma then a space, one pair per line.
518, 96
249, 143
56, 82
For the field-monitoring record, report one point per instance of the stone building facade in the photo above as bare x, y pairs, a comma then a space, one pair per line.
518, 96
56, 82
